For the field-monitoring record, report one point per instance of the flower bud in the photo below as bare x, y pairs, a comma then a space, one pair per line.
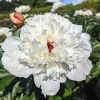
17, 18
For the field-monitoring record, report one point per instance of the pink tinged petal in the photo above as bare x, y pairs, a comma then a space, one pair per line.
49, 87
15, 68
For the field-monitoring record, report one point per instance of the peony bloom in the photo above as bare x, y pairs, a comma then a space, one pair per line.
56, 5
52, 49
83, 12
23, 9
97, 15
17, 18
5, 31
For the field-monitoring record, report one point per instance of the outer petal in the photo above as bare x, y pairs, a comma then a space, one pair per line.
85, 45
82, 69
77, 28
15, 68
10, 58
10, 44
49, 87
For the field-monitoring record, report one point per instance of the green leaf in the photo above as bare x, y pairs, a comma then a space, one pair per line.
17, 33
96, 47
1, 93
6, 81
32, 97
97, 72
58, 98
16, 89
88, 79
55, 98
95, 55
25, 97
76, 89
4, 73
1, 66
9, 97
51, 98
94, 67
69, 84
21, 97
17, 98
67, 93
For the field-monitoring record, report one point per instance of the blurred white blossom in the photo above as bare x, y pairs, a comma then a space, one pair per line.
66, 16
83, 12
23, 8
98, 15
52, 49
56, 5
5, 31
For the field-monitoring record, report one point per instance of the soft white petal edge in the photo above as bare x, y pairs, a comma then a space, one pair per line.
10, 44
10, 60
49, 87
15, 68
82, 69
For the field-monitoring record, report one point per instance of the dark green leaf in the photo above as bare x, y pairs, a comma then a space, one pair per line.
6, 81
32, 97
69, 84
4, 73
67, 93
25, 97
17, 33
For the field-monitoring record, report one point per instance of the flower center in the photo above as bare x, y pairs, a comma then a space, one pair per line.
50, 46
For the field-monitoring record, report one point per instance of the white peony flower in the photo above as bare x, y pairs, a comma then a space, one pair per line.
23, 9
51, 48
83, 13
97, 15
5, 31
56, 5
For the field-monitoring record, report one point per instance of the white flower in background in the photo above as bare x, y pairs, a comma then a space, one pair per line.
56, 5
5, 31
66, 16
51, 48
83, 12
98, 15
23, 9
